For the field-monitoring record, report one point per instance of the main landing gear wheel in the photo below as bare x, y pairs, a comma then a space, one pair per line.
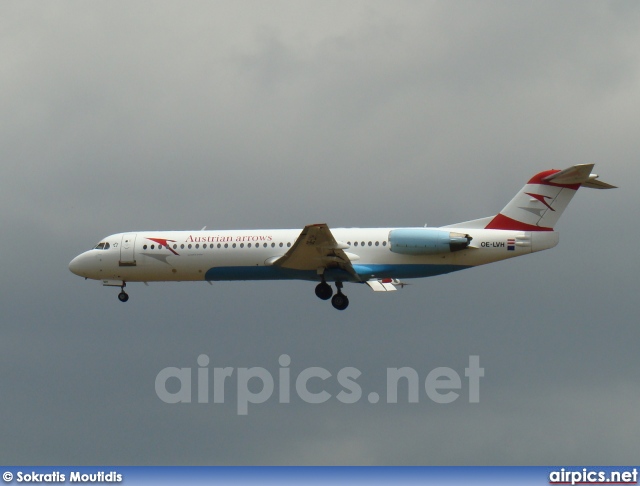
324, 291
340, 301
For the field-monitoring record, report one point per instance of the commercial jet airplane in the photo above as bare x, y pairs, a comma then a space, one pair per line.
378, 257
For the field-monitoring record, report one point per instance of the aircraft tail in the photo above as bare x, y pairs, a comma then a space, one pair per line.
540, 203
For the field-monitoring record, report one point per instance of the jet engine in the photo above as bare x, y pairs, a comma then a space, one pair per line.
427, 241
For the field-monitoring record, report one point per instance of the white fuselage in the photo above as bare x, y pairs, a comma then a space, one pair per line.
378, 257
148, 256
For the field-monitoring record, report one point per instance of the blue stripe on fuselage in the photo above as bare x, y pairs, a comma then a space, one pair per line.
364, 271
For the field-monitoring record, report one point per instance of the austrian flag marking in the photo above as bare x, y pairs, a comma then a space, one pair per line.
511, 244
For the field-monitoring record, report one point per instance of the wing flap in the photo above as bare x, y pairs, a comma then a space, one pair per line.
377, 286
384, 285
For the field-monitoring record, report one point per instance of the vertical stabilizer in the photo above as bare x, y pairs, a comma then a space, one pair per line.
541, 202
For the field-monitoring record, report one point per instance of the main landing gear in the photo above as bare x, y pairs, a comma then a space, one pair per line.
339, 300
324, 290
123, 296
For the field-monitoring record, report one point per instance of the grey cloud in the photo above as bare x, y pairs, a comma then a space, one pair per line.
118, 116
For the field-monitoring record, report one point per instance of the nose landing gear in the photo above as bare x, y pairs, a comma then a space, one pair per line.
123, 296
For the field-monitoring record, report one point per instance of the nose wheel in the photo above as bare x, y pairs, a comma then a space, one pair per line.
123, 296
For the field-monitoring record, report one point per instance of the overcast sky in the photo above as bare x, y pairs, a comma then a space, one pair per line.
121, 116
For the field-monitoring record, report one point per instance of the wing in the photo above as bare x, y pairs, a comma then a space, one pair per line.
317, 249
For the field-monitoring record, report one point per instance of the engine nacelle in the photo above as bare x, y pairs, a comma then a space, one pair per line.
426, 241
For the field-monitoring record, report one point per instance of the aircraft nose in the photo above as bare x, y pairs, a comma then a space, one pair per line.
79, 265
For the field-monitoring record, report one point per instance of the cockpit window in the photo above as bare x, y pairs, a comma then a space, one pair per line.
102, 246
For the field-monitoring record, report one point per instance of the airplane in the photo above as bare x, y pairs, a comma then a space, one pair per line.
377, 257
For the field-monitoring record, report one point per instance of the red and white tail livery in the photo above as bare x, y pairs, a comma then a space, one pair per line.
378, 257
541, 202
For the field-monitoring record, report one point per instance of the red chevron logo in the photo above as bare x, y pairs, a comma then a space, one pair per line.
165, 243
541, 198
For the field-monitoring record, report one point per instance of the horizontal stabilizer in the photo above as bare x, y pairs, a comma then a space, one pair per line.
573, 175
595, 184
578, 174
